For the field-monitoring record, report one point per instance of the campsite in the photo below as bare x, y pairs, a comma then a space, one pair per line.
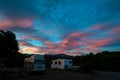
59, 39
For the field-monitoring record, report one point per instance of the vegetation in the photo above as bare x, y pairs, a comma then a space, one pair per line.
102, 61
9, 55
106, 61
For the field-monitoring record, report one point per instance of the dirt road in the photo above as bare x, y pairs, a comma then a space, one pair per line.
69, 75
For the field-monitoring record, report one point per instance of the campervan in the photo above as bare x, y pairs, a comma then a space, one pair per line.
61, 64
35, 63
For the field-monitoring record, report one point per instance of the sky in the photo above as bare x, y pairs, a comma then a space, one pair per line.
71, 27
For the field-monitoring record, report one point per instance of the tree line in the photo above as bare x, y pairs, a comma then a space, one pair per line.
102, 61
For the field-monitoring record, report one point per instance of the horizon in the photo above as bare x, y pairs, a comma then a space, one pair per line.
83, 54
72, 27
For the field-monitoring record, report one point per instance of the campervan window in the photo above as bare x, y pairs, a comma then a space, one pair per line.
39, 62
70, 62
55, 62
59, 62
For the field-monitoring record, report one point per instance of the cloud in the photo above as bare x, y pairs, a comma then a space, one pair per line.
97, 43
31, 37
30, 50
51, 45
82, 13
19, 25
70, 27
21, 44
75, 39
91, 39
103, 26
116, 31
82, 41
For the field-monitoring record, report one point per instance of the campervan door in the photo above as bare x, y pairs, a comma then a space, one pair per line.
35, 63
39, 63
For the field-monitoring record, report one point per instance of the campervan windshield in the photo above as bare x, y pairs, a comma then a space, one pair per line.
39, 62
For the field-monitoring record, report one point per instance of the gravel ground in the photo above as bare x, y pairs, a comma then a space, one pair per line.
67, 75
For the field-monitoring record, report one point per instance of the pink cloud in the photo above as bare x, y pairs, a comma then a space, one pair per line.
100, 27
73, 39
96, 27
52, 45
96, 43
76, 42
21, 44
30, 50
24, 22
33, 38
116, 31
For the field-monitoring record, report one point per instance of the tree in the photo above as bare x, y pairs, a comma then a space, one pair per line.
9, 49
105, 60
15, 61
8, 44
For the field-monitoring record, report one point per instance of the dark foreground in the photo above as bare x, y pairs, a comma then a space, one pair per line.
64, 75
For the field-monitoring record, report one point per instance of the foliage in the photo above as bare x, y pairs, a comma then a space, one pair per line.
8, 44
107, 61
9, 54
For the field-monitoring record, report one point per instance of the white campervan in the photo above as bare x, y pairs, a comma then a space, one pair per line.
61, 64
34, 63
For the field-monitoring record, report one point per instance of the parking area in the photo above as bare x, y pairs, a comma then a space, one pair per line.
67, 75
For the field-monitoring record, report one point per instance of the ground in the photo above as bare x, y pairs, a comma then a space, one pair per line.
67, 75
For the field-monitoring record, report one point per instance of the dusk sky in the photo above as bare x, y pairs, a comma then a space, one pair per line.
63, 26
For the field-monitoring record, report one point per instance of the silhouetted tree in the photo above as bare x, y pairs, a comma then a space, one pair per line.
8, 44
9, 54
15, 61
105, 60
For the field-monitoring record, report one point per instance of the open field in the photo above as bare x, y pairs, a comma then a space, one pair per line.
67, 75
